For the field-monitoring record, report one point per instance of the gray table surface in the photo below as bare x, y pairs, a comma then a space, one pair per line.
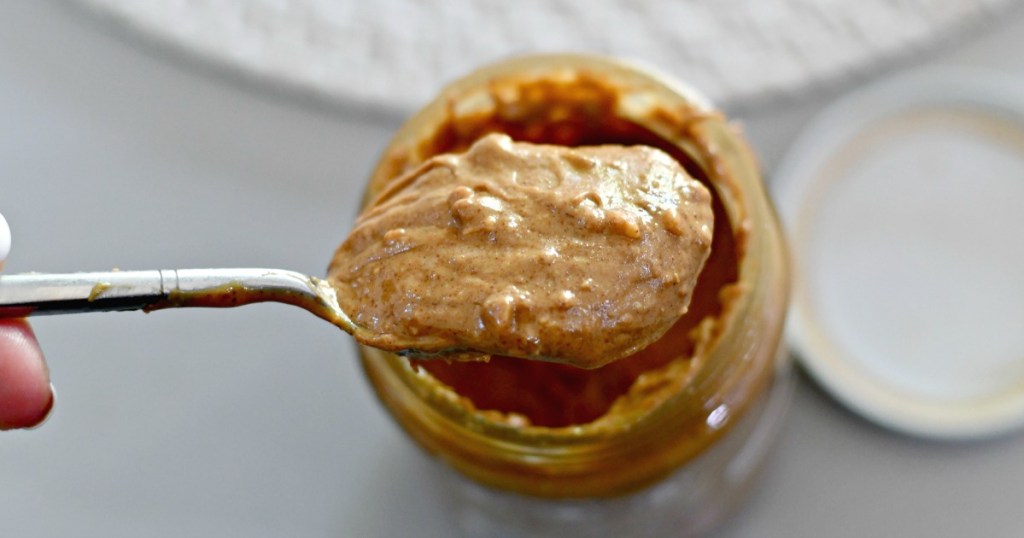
258, 422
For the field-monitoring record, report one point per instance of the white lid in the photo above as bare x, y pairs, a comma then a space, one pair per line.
904, 206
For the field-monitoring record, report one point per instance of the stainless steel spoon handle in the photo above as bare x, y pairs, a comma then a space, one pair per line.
33, 294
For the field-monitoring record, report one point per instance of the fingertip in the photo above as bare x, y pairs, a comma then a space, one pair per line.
26, 396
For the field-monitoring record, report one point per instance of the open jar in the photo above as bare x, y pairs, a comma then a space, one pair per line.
664, 440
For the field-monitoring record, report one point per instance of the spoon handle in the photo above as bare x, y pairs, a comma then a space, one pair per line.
33, 294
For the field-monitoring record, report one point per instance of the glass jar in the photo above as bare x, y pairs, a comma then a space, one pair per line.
664, 440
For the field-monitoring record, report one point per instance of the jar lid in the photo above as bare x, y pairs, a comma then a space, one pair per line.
904, 205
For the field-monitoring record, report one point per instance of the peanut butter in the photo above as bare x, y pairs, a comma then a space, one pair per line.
578, 255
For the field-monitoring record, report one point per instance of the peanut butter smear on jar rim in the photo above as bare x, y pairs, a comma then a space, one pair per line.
573, 255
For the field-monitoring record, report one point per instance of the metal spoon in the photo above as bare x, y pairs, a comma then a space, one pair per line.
36, 294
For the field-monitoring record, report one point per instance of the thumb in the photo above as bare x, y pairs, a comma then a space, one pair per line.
25, 394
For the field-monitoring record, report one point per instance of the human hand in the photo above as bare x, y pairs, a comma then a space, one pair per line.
26, 396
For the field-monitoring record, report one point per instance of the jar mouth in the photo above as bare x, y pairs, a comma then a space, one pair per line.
576, 100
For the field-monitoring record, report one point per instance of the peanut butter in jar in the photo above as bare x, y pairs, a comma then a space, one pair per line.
641, 444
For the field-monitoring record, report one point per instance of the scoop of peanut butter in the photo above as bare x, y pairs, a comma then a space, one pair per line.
575, 255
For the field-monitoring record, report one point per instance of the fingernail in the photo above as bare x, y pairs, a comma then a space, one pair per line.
5, 240
49, 410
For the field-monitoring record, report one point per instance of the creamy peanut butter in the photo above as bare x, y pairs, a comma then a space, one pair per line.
576, 255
